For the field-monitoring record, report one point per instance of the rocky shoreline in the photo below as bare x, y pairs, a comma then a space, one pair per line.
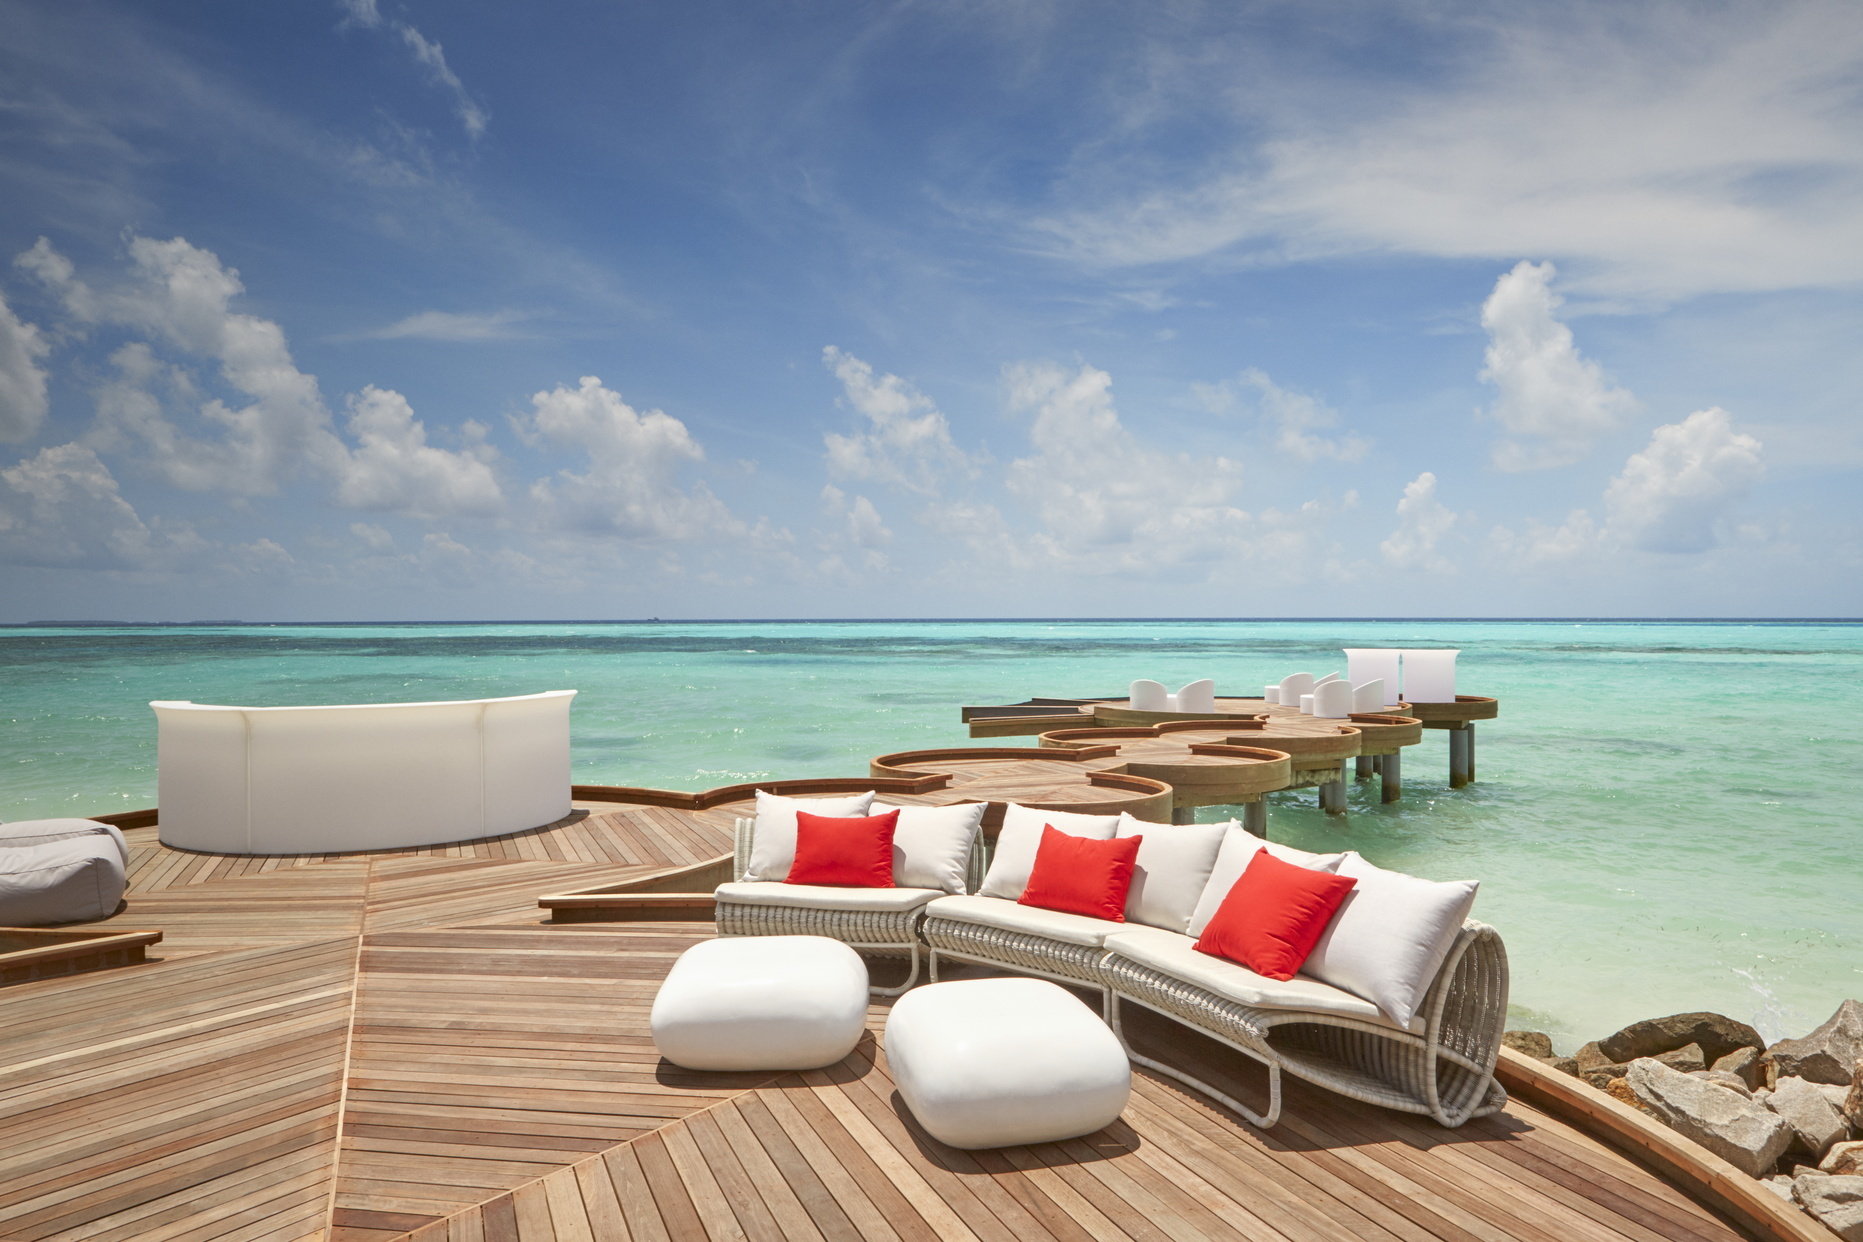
1789, 1115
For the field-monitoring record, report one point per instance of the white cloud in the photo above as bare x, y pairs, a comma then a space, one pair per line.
858, 528
426, 53
61, 507
1577, 538
907, 441
452, 326
1422, 521
373, 536
1294, 416
631, 487
1666, 149
1671, 495
22, 379
1108, 503
394, 469
1555, 401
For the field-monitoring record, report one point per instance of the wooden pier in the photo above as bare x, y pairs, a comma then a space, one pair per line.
402, 1045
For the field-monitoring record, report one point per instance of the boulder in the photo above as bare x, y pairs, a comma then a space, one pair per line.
1619, 1089
1687, 1059
1718, 1035
1733, 1082
1603, 1076
1744, 1062
1536, 1044
1843, 1159
1740, 1131
1829, 1054
1816, 1124
1853, 1102
1565, 1065
1780, 1185
1836, 1202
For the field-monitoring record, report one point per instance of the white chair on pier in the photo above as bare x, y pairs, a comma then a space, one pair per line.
1368, 697
1149, 696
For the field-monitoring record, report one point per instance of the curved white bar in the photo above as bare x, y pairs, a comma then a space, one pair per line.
309, 780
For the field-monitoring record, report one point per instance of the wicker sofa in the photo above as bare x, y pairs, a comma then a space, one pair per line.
1436, 1056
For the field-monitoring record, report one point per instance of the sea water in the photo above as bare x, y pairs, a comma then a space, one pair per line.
1665, 818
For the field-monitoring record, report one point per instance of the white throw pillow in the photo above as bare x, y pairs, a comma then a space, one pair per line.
1021, 837
773, 848
1390, 936
1238, 851
931, 845
1172, 870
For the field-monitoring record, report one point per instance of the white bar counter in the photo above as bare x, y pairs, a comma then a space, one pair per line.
311, 780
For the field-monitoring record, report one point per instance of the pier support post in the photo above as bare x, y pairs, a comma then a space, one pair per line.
1460, 754
1471, 751
1391, 767
1183, 814
1333, 793
1255, 817
1367, 767
1377, 764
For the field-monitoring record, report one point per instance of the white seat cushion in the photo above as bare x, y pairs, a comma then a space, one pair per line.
1390, 935
761, 1003
1031, 920
773, 848
825, 897
23, 832
1021, 837
1237, 852
931, 845
1001, 1062
61, 879
1172, 870
1177, 956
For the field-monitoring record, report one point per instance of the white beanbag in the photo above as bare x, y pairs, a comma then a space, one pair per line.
24, 832
1172, 870
1238, 851
773, 847
60, 880
931, 844
761, 1003
1390, 936
1000, 1062
1021, 837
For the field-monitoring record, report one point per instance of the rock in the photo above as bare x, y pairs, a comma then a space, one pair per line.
1733, 1082
1717, 1035
1619, 1089
1536, 1044
1745, 1134
1835, 1094
1780, 1185
1853, 1103
1843, 1159
1589, 1058
1688, 1059
1828, 1054
1744, 1062
1604, 1076
1810, 1115
1837, 1203
1565, 1065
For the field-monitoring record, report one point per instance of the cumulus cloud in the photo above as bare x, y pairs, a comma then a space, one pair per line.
22, 379
427, 53
856, 529
1667, 149
1294, 417
1422, 521
906, 440
1106, 501
631, 488
1554, 401
452, 326
1671, 495
394, 469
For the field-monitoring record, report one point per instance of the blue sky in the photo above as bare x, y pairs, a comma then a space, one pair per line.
370, 309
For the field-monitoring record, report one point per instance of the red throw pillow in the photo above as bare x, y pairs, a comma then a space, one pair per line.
1080, 876
1274, 915
846, 853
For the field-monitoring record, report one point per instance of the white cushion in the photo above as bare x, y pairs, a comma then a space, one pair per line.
1172, 870
773, 848
1178, 957
825, 897
931, 845
1021, 837
761, 1003
1001, 1062
20, 833
63, 879
1238, 851
1032, 920
1390, 935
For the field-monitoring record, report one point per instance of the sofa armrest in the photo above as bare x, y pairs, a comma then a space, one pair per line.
743, 834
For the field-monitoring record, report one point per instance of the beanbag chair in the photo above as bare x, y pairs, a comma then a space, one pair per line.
62, 880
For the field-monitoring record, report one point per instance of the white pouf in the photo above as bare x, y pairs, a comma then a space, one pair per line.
761, 1003
1000, 1062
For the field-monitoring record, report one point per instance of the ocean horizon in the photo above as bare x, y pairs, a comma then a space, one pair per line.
1661, 820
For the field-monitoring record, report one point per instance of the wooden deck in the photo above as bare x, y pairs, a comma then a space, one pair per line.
392, 1045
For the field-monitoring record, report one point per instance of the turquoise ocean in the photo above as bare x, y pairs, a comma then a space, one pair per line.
1666, 817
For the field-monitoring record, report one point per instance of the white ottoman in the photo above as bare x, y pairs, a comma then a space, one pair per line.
999, 1062
761, 1003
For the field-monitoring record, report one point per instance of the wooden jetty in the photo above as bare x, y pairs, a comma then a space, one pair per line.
402, 1045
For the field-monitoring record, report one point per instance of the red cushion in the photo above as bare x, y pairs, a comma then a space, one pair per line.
1274, 915
847, 853
1079, 876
